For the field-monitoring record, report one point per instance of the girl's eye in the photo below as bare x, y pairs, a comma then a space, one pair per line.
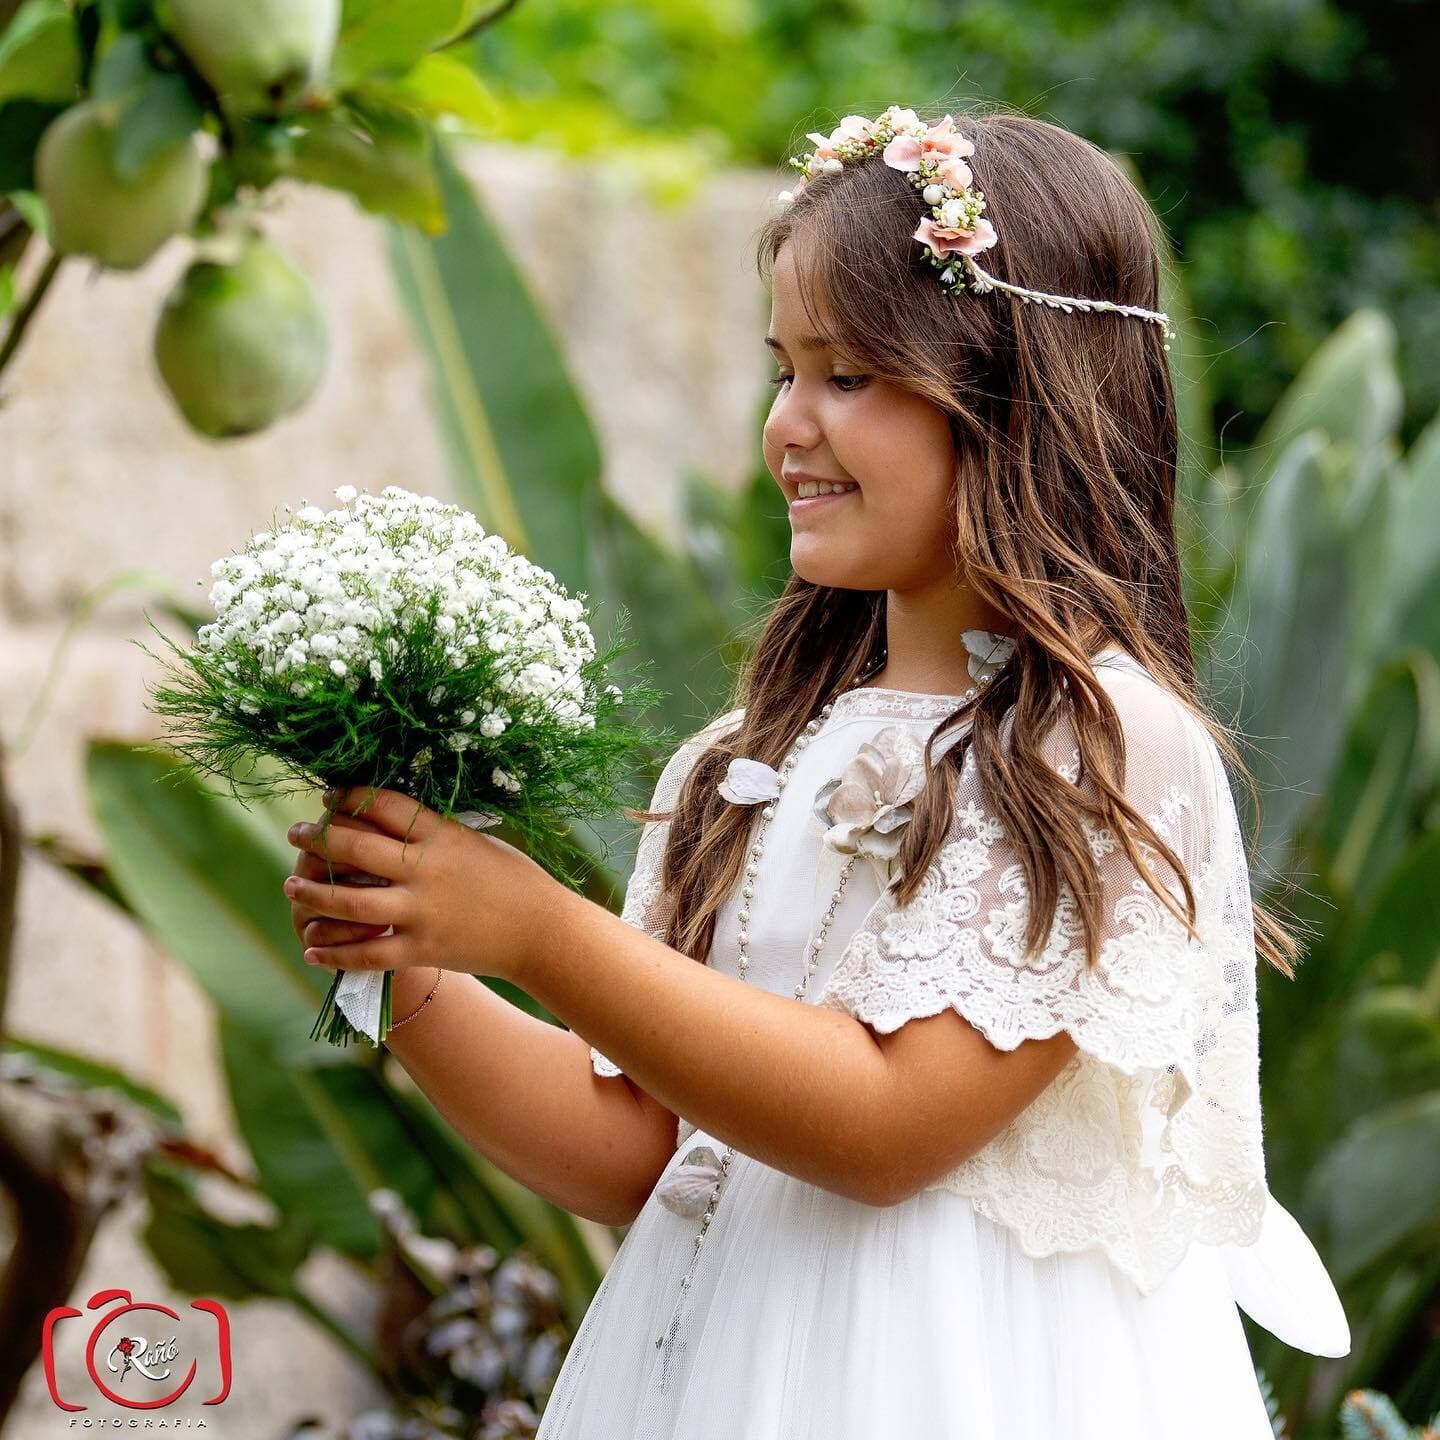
779, 380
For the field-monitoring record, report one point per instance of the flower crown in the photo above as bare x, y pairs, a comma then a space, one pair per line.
933, 158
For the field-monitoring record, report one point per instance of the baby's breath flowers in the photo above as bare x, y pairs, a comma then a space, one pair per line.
392, 643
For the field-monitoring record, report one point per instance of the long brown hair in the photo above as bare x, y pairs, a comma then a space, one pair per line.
1064, 426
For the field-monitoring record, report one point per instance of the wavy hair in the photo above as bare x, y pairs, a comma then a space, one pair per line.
1065, 432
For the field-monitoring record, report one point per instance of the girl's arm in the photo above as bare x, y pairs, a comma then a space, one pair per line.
804, 1089
523, 1093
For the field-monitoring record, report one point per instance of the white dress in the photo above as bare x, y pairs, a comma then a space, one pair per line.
1078, 1277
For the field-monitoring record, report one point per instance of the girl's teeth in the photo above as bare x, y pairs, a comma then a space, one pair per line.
807, 488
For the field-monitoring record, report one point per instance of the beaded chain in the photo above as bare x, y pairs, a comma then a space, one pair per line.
747, 893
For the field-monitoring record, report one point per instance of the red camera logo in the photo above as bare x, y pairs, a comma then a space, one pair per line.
142, 1347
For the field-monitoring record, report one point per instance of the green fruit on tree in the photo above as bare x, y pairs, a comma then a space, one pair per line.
241, 342
119, 220
259, 55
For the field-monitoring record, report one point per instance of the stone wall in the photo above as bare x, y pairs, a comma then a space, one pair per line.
660, 315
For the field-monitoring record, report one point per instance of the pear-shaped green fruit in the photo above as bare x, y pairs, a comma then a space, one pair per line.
257, 55
240, 344
94, 210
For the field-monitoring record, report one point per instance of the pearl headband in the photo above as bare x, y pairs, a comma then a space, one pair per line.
933, 158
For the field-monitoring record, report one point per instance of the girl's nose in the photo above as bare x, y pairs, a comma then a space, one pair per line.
791, 425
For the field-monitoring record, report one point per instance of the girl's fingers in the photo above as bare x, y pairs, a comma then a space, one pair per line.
358, 955
364, 849
324, 931
390, 811
368, 904
316, 867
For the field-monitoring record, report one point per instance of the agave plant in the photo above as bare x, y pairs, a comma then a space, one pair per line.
1318, 629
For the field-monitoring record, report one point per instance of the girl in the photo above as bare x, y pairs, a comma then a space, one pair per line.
954, 1130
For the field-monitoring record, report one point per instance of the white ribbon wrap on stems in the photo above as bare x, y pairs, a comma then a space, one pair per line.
359, 993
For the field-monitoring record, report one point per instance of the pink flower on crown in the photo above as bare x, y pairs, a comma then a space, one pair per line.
945, 240
825, 146
852, 127
955, 173
900, 121
903, 153
941, 143
942, 138
851, 130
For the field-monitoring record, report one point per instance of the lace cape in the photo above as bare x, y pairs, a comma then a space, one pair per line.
1151, 1136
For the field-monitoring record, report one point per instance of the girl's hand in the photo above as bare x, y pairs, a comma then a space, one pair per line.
310, 926
458, 898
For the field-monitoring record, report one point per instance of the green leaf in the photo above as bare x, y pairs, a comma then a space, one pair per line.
1372, 808
93, 1076
1348, 389
153, 109
323, 1139
761, 544
439, 86
1389, 1050
1379, 1186
1414, 567
383, 157
40, 54
1281, 652
389, 36
739, 543
525, 458
521, 445
161, 115
204, 1255
1401, 927
122, 70
207, 884
682, 631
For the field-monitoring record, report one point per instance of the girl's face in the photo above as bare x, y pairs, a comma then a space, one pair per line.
831, 422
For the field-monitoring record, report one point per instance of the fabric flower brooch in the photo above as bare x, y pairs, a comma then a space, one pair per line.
868, 804
864, 808
688, 1187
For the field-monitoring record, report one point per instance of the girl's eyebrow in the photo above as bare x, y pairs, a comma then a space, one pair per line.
806, 342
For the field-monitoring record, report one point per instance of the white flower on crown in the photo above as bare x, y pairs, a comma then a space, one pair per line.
952, 212
903, 122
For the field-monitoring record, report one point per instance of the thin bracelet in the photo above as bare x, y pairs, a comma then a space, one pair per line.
439, 976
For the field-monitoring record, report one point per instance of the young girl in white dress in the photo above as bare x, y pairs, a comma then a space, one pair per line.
969, 799
1071, 1269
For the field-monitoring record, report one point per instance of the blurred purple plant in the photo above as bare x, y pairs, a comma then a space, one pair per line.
483, 1353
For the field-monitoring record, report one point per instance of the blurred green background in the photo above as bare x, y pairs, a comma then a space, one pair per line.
1289, 151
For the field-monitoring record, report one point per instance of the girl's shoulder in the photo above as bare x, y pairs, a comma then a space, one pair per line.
672, 776
717, 728
1160, 727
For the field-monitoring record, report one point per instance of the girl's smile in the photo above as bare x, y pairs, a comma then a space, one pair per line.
804, 504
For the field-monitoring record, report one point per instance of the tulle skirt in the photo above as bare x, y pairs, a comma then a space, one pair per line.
812, 1317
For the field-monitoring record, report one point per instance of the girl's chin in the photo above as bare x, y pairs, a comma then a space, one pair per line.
818, 564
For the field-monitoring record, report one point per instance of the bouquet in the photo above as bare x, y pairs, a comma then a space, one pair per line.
392, 643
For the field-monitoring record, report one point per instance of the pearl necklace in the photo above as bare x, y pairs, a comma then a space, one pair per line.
747, 893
